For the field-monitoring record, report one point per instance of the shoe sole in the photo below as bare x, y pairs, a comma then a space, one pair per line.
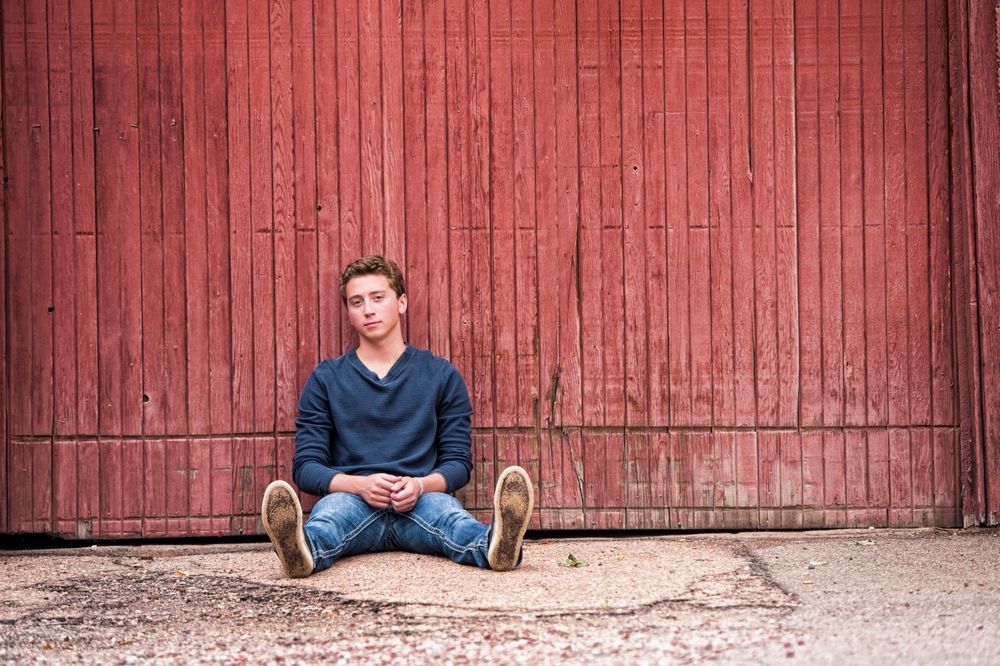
281, 514
513, 501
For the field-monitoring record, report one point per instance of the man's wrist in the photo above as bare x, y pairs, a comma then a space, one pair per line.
342, 483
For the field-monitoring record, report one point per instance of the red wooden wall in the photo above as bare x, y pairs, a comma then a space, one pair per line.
702, 264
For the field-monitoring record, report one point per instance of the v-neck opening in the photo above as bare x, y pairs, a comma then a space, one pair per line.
395, 369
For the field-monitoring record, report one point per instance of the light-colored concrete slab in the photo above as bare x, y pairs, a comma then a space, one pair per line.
878, 596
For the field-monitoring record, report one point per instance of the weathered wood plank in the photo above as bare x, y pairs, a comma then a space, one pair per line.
110, 487
591, 275
88, 475
830, 211
391, 84
567, 212
678, 282
84, 217
64, 486
479, 282
39, 282
217, 201
764, 238
900, 477
503, 259
812, 469
984, 39
221, 471
742, 206
856, 468
786, 222
636, 285
699, 257
20, 496
545, 159
349, 145
63, 306
852, 214
923, 469
654, 206
915, 211
371, 119
943, 374
155, 386
944, 442
240, 244
172, 165
195, 269
873, 164
897, 329
176, 456
414, 174
4, 388
283, 197
328, 168
199, 477
304, 121
769, 475
154, 472
457, 189
807, 171
438, 166
720, 213
526, 260
133, 454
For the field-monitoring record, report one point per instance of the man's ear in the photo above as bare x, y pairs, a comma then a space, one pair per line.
402, 304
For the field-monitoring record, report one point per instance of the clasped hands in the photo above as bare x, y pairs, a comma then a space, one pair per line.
382, 491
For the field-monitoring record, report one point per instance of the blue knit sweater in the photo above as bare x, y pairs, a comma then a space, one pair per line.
414, 421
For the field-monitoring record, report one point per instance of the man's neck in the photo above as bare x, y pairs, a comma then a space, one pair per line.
381, 354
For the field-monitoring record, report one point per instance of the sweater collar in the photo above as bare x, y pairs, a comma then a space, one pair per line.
394, 371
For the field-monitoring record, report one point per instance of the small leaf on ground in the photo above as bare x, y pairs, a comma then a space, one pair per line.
573, 561
865, 542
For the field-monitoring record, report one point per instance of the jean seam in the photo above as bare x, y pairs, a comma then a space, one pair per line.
441, 535
334, 552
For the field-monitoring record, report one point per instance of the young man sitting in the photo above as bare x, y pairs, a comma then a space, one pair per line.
383, 434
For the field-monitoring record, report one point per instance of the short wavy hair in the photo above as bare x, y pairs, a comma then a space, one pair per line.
373, 264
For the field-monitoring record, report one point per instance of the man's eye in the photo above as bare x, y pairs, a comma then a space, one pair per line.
378, 298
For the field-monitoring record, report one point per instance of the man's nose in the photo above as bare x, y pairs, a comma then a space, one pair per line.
368, 307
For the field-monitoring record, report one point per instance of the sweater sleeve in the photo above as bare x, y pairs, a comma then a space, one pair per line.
311, 468
454, 431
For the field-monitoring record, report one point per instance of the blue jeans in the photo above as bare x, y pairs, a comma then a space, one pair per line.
343, 524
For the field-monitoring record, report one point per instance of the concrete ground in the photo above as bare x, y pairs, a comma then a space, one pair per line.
874, 596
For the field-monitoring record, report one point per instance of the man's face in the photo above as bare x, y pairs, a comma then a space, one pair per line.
373, 307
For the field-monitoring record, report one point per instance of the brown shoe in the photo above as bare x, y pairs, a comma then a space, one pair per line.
512, 504
282, 517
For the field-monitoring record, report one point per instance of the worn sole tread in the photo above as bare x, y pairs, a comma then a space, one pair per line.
281, 514
512, 505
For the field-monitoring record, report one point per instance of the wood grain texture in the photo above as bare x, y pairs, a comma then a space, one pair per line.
286, 320
984, 53
703, 265
4, 387
217, 232
654, 206
171, 128
677, 283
